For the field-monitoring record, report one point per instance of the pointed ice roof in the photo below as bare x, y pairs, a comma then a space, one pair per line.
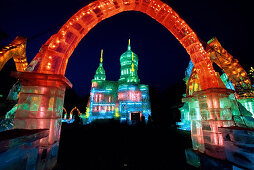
100, 72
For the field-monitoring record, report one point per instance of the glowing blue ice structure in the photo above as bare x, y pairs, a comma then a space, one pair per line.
125, 99
185, 123
69, 121
134, 103
103, 98
188, 71
226, 81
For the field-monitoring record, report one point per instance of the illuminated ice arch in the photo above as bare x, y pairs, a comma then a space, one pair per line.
234, 72
54, 54
41, 99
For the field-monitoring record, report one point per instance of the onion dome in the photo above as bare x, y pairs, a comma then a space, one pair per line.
129, 66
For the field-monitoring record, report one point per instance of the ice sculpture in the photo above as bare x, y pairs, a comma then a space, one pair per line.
124, 99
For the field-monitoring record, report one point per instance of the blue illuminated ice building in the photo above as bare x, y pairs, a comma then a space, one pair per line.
126, 99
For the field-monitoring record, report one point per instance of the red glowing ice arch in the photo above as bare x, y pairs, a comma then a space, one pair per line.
54, 54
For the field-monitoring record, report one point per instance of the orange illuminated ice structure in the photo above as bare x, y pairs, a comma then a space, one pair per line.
40, 106
17, 51
234, 77
234, 71
212, 109
43, 83
54, 54
72, 110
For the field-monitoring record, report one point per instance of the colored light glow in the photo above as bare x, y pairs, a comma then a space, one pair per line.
96, 98
100, 91
221, 141
134, 96
121, 96
251, 108
72, 110
131, 103
198, 113
94, 84
103, 104
117, 115
101, 59
100, 97
87, 112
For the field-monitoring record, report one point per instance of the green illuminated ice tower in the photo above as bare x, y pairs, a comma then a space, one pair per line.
100, 72
129, 67
133, 98
103, 96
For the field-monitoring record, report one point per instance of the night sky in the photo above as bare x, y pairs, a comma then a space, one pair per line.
162, 59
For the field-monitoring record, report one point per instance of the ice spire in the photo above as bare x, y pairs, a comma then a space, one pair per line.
101, 59
100, 72
129, 45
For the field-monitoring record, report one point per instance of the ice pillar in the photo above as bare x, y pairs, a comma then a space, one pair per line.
40, 106
209, 110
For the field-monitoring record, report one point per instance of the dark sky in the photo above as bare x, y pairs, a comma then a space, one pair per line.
162, 59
